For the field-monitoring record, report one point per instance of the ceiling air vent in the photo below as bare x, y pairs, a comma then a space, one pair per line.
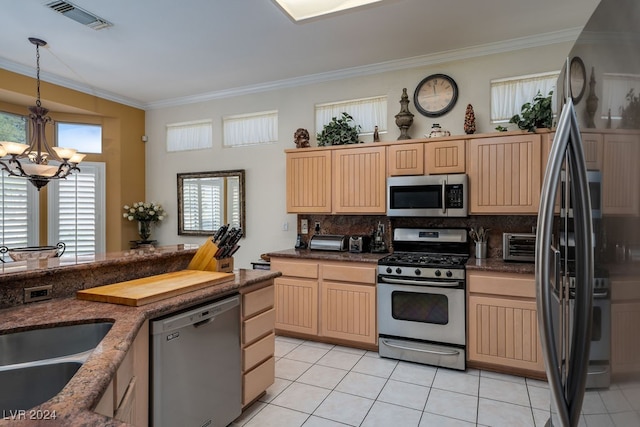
79, 15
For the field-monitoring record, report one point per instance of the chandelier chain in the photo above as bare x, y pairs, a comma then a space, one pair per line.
38, 103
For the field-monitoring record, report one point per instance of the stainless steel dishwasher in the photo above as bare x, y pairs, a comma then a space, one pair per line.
195, 366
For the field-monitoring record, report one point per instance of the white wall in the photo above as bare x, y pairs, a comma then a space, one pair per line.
265, 165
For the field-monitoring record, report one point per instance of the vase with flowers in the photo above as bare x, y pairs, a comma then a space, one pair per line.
146, 213
480, 237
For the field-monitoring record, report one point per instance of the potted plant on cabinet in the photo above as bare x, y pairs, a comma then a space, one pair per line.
339, 131
535, 115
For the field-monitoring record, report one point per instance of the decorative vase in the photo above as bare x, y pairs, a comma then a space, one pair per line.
481, 250
144, 230
404, 119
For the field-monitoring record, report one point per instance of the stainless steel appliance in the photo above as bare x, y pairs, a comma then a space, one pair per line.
594, 182
427, 195
568, 292
195, 366
421, 297
359, 244
519, 247
328, 242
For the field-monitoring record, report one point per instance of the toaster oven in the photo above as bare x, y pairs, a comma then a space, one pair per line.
519, 247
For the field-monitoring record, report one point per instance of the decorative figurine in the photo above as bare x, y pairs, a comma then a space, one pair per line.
469, 120
404, 119
376, 135
301, 138
592, 101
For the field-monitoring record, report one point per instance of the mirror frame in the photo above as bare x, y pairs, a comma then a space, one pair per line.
240, 173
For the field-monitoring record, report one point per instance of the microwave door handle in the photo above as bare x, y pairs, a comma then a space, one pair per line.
444, 196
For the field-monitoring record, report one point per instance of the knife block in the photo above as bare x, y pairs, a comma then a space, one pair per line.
204, 260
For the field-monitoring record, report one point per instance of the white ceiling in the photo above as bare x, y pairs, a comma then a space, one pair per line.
163, 52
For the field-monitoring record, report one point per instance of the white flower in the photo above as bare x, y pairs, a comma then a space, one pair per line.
126, 207
141, 209
125, 215
160, 218
152, 212
130, 218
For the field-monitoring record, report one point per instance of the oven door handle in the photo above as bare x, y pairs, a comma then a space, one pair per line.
438, 352
444, 196
420, 283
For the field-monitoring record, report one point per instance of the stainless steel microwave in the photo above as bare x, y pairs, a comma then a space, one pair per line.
594, 178
427, 195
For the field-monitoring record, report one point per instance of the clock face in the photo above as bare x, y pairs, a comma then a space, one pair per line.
577, 79
435, 95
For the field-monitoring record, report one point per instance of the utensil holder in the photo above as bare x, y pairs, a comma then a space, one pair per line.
481, 250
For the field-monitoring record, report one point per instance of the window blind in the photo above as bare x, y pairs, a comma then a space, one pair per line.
18, 213
366, 112
202, 208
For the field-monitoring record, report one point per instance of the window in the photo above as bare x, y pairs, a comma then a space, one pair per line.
615, 88
185, 136
508, 95
250, 129
13, 127
366, 112
203, 204
83, 137
76, 211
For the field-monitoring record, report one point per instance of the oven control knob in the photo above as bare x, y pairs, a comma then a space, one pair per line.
438, 273
398, 270
449, 273
418, 272
389, 270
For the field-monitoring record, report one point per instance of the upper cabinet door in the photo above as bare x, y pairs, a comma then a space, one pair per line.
619, 169
445, 157
505, 174
405, 159
359, 180
309, 182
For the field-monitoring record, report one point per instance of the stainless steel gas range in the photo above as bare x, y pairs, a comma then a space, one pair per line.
421, 297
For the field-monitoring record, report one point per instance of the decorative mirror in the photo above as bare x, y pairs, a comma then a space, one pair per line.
209, 200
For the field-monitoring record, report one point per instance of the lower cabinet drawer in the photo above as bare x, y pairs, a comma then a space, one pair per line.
258, 351
258, 326
257, 301
258, 380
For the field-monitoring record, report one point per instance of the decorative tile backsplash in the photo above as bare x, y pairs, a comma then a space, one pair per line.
366, 224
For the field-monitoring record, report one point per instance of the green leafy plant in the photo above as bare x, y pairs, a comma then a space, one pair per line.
339, 131
535, 115
501, 128
631, 113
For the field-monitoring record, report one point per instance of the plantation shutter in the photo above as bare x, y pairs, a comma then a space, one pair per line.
203, 204
18, 213
233, 200
76, 205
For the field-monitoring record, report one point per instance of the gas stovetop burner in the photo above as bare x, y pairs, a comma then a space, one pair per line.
419, 259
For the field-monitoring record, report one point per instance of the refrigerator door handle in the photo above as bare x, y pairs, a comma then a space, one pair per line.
566, 397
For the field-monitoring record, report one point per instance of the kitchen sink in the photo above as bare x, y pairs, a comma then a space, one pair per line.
50, 343
24, 388
35, 365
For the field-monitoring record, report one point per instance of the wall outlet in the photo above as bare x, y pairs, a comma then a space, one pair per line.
304, 226
38, 293
285, 226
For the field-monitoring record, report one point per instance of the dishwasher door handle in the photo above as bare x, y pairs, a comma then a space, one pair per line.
203, 322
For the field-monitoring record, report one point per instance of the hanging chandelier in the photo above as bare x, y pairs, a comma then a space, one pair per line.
38, 162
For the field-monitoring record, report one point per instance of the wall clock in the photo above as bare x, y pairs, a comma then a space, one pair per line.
435, 95
577, 79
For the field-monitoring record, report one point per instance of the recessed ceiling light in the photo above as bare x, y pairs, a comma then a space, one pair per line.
299, 10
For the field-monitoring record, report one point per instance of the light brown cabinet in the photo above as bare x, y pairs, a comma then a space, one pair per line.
309, 181
502, 322
505, 174
258, 341
405, 159
444, 157
359, 180
127, 396
625, 316
325, 299
620, 167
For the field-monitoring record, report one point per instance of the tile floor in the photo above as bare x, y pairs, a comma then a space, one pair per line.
322, 385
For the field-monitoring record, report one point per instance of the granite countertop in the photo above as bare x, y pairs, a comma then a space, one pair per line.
73, 405
328, 255
500, 265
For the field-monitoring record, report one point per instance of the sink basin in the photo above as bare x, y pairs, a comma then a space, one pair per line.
35, 365
50, 343
24, 388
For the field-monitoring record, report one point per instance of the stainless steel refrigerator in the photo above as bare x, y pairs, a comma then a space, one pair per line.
588, 245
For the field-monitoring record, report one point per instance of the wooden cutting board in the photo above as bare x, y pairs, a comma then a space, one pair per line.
154, 288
